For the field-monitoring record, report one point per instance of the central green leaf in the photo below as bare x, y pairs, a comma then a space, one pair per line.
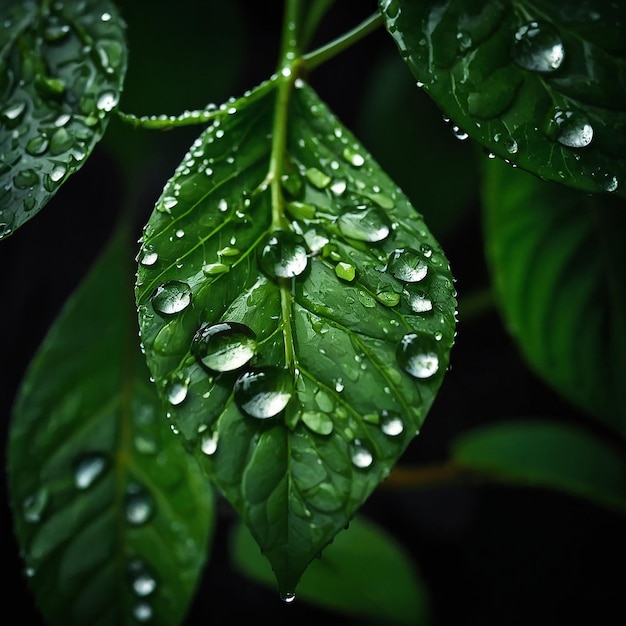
296, 315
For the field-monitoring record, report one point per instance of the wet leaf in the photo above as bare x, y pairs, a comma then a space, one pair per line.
347, 307
542, 453
62, 65
352, 577
113, 520
539, 84
558, 266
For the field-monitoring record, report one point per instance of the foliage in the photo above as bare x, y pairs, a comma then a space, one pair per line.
296, 309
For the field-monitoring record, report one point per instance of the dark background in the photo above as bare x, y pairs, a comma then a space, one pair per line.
489, 555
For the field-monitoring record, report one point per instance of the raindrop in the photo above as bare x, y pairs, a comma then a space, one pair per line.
37, 145
288, 597
283, 254
353, 157
417, 355
364, 224
418, 300
149, 257
34, 506
263, 392
142, 582
460, 134
224, 346
318, 422
25, 179
208, 443
142, 612
177, 391
88, 469
60, 141
106, 101
345, 271
318, 178
171, 297
139, 505
407, 265
538, 47
12, 113
212, 269
391, 423
57, 173
573, 129
361, 457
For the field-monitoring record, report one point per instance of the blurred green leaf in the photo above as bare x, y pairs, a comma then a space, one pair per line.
363, 574
540, 83
114, 520
62, 66
274, 286
541, 453
558, 265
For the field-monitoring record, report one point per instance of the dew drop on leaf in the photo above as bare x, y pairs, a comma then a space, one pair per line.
139, 505
208, 443
418, 300
407, 265
171, 297
391, 423
177, 391
361, 457
538, 47
263, 392
417, 355
318, 422
143, 583
283, 254
573, 129
88, 469
224, 346
34, 505
364, 223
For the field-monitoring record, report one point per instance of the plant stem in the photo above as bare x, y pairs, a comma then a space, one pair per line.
314, 17
332, 49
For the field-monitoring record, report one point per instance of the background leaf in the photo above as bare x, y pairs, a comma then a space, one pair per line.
539, 84
541, 453
324, 318
558, 265
352, 576
113, 520
62, 66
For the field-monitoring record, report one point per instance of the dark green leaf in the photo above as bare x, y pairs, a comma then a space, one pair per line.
62, 65
558, 264
113, 519
363, 573
300, 400
547, 454
541, 84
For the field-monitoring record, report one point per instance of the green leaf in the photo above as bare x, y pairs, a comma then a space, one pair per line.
558, 266
114, 521
352, 576
540, 84
273, 323
547, 454
62, 65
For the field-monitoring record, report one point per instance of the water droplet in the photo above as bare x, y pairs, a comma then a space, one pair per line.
318, 178
353, 157
224, 346
318, 422
263, 392
142, 612
139, 505
25, 179
208, 443
388, 298
34, 506
407, 265
288, 597
391, 423
107, 101
57, 173
364, 224
538, 47
345, 271
361, 457
573, 129
143, 583
149, 257
12, 113
418, 300
88, 469
37, 145
283, 254
417, 355
177, 391
171, 297
60, 141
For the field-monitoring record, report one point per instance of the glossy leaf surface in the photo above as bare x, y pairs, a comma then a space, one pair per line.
363, 574
540, 84
558, 265
547, 454
62, 65
113, 520
280, 322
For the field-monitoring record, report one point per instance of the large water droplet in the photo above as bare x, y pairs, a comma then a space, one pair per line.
177, 391
418, 300
361, 457
364, 224
171, 297
318, 422
538, 47
407, 265
208, 443
417, 355
263, 392
224, 346
391, 423
88, 469
283, 254
573, 129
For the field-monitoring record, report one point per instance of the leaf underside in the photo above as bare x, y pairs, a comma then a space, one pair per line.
558, 266
303, 264
541, 85
61, 71
114, 524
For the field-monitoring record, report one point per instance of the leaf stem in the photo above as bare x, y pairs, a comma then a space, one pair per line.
314, 17
317, 57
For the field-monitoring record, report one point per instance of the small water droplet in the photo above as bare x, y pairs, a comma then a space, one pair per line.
345, 271
171, 297
288, 597
318, 178
418, 300
107, 101
407, 265
364, 223
391, 423
224, 346
353, 157
177, 391
208, 443
538, 47
12, 112
318, 422
37, 145
25, 179
149, 257
34, 505
417, 355
263, 392
283, 254
142, 612
143, 583
361, 457
88, 469
139, 505
573, 129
